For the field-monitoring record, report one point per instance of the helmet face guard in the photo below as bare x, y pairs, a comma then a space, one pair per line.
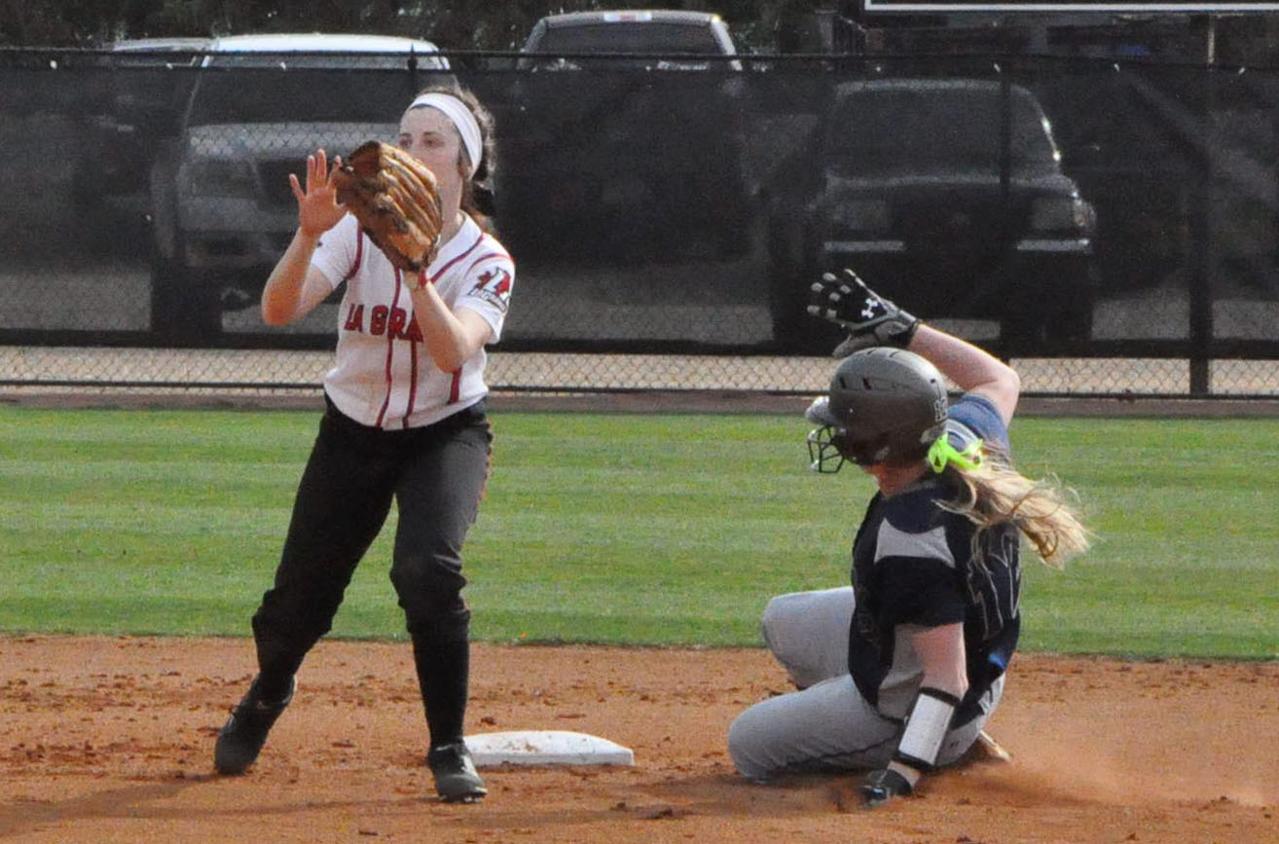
830, 446
885, 406
824, 456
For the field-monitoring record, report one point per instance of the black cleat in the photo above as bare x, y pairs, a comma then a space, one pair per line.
241, 738
455, 778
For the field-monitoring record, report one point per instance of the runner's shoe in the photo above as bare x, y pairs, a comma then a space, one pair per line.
985, 751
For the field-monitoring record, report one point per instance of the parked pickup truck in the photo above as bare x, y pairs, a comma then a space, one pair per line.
625, 139
139, 94
222, 209
673, 40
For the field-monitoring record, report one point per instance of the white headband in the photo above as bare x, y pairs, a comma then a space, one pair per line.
458, 112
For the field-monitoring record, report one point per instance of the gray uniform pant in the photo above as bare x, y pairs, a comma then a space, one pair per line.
827, 725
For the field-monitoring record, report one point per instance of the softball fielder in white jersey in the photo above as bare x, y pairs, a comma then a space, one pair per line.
405, 421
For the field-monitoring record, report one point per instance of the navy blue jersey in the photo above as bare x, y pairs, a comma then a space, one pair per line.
914, 567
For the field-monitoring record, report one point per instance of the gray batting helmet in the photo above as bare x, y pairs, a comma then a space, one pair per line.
885, 405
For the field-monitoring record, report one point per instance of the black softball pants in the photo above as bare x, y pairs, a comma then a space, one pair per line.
436, 475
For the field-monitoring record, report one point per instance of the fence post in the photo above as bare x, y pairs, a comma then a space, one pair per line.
1200, 293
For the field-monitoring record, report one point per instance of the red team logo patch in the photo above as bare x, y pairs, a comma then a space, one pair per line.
494, 287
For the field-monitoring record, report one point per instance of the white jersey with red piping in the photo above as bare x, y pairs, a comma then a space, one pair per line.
383, 376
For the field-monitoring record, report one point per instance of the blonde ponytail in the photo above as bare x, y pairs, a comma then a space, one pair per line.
993, 493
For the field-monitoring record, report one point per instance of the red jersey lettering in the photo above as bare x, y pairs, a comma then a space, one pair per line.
398, 317
377, 320
354, 319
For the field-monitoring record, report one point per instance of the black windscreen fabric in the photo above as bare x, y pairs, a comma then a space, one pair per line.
1059, 208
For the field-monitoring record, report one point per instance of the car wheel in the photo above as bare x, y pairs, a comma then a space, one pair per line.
1037, 327
1072, 323
92, 217
734, 234
733, 223
182, 314
795, 330
786, 305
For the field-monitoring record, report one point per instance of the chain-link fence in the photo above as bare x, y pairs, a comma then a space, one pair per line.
1113, 227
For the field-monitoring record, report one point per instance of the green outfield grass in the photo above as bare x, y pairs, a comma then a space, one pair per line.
631, 529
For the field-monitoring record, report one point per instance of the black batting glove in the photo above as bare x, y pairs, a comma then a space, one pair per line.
883, 785
871, 319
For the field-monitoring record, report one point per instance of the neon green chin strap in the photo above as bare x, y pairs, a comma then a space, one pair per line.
941, 452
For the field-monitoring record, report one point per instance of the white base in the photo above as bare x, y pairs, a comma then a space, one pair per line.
545, 747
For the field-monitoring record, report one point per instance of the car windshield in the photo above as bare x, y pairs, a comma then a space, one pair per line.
629, 37
945, 127
328, 59
156, 58
239, 89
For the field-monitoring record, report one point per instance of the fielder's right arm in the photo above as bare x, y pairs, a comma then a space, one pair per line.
294, 287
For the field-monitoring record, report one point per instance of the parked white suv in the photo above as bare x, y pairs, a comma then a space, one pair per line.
222, 209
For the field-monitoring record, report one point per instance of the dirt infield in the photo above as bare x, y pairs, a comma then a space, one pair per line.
110, 739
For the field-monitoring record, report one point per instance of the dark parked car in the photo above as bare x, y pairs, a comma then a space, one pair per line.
637, 153
947, 195
134, 102
675, 40
144, 103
